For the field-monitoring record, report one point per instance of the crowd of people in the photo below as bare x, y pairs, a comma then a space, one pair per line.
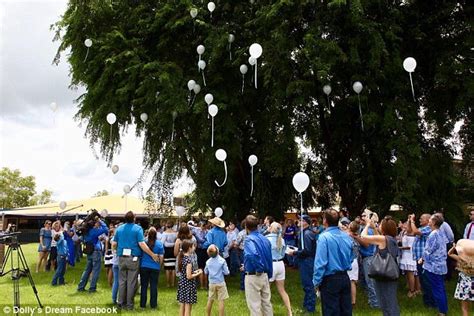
335, 257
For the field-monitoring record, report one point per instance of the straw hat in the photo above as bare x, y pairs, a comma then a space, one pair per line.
216, 221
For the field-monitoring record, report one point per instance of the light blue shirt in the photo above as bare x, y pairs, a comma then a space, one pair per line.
277, 254
447, 231
61, 246
333, 254
435, 254
216, 268
128, 236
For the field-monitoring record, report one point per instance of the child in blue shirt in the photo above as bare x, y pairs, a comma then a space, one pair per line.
216, 268
61, 246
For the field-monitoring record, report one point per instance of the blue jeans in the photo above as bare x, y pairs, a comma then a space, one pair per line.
428, 299
93, 266
291, 259
387, 297
115, 285
234, 261
242, 273
306, 267
439, 291
367, 262
149, 276
336, 295
60, 270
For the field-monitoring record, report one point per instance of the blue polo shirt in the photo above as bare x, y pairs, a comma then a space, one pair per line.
258, 254
93, 234
128, 236
148, 262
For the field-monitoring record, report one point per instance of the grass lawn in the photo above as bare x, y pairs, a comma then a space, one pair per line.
67, 296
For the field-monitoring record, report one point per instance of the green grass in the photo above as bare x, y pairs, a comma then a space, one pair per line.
167, 305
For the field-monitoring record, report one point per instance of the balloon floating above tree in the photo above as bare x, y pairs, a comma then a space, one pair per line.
212, 110
221, 155
211, 6
111, 119
126, 189
144, 117
252, 161
231, 39
193, 12
243, 70
88, 44
327, 91
115, 169
255, 52
202, 66
218, 212
409, 64
357, 87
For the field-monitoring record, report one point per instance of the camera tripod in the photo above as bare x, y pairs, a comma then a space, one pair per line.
17, 271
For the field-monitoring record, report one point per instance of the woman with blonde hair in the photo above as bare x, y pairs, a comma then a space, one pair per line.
56, 229
463, 254
278, 253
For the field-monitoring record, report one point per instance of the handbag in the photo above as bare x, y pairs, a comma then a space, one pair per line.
384, 269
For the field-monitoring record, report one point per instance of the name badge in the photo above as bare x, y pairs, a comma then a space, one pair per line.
127, 252
135, 259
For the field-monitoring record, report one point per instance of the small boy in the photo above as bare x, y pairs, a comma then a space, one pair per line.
216, 268
61, 245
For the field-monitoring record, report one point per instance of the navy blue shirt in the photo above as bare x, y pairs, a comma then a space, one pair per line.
309, 250
92, 236
258, 254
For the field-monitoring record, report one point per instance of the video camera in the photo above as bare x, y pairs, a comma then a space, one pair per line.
8, 238
88, 222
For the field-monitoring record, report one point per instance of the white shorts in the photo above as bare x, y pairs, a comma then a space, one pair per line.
354, 273
278, 271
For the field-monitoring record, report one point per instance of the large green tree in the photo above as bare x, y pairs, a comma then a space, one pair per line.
15, 190
144, 53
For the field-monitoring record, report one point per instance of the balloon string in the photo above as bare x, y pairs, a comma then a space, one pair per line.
225, 177
360, 112
412, 89
87, 54
243, 83
194, 99
255, 75
125, 202
212, 134
301, 222
329, 104
111, 126
172, 132
251, 183
230, 51
204, 79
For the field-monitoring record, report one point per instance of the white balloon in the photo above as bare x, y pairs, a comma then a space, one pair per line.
115, 169
212, 109
174, 114
209, 98
327, 89
357, 87
197, 89
193, 12
104, 213
144, 117
252, 61
253, 160
218, 212
111, 118
200, 49
221, 155
231, 38
191, 84
53, 106
211, 6
88, 42
300, 181
243, 69
62, 205
409, 64
255, 50
180, 210
126, 189
202, 64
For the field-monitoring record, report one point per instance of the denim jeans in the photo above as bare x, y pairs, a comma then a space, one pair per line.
438, 291
336, 295
428, 299
367, 262
58, 277
387, 297
242, 273
306, 267
149, 276
93, 266
234, 261
291, 259
115, 285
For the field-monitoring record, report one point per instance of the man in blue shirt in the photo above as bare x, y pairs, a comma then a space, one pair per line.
216, 236
306, 263
258, 268
129, 242
96, 227
334, 257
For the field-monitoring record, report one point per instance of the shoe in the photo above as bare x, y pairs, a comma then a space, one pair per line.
81, 290
92, 291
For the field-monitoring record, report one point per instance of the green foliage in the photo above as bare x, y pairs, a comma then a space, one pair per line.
16, 191
144, 53
42, 198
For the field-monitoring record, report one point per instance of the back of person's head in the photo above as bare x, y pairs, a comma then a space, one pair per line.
354, 227
332, 217
212, 251
186, 245
151, 237
251, 223
184, 232
129, 217
437, 220
169, 224
57, 237
389, 227
269, 219
441, 215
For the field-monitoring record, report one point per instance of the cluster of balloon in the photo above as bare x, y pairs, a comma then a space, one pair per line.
231, 39
174, 114
193, 12
144, 117
255, 52
409, 64
218, 212
243, 71
357, 87
62, 205
221, 155
201, 63
211, 6
252, 161
212, 110
88, 44
327, 91
115, 169
111, 119
191, 85
301, 183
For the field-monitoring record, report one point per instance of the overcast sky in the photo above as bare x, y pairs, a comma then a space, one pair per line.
50, 145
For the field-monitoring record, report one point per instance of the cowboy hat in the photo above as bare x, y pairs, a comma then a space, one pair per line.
216, 221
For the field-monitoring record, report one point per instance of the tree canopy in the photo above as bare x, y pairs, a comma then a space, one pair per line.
143, 54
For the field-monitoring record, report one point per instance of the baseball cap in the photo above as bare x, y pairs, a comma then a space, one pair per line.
306, 218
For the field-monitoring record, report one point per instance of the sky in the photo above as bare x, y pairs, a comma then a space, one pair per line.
50, 145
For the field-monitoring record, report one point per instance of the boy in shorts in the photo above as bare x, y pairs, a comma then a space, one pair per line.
216, 268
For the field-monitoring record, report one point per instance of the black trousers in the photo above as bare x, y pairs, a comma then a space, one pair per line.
336, 295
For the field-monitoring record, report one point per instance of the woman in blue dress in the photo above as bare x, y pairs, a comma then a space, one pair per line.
45, 238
